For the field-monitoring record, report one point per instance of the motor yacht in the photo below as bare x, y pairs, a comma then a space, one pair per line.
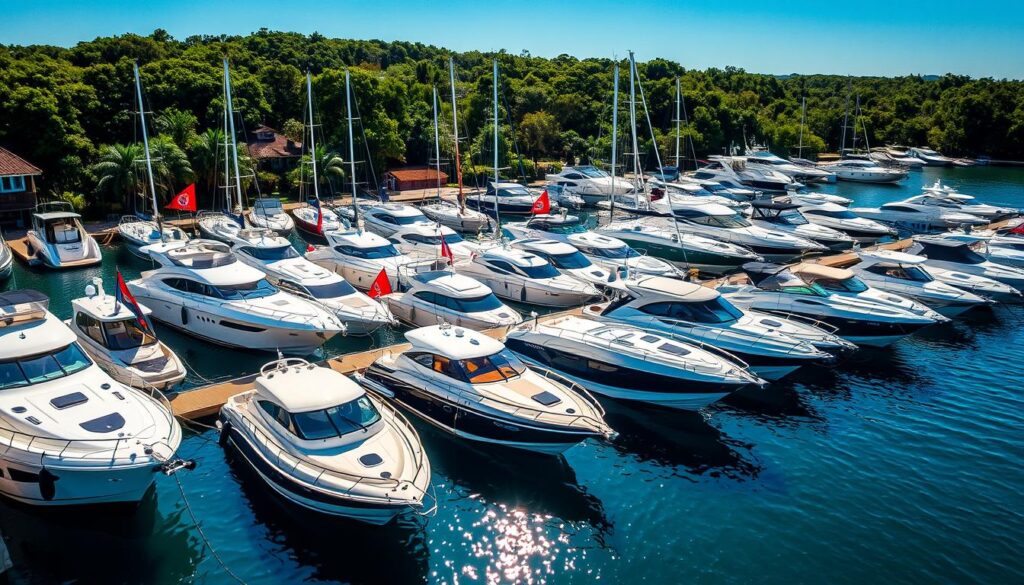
735, 192
786, 217
799, 173
359, 256
897, 158
776, 289
771, 346
721, 223
837, 217
947, 198
267, 212
864, 171
201, 289
929, 157
430, 298
557, 226
111, 334
632, 364
660, 239
689, 193
286, 269
307, 219
570, 261
72, 435
590, 183
136, 233
219, 226
735, 172
387, 218
6, 260
463, 220
322, 442
425, 240
955, 252
522, 276
510, 199
919, 218
470, 385
906, 275
1005, 249
846, 283
57, 238
617, 256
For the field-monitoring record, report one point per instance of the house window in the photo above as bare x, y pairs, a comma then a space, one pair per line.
12, 184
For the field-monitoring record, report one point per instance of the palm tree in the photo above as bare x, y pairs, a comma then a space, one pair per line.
171, 168
180, 125
119, 171
207, 156
329, 165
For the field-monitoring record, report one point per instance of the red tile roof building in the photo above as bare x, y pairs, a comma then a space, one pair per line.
17, 183
413, 178
267, 145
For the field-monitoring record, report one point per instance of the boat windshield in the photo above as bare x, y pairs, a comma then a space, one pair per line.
569, 261
560, 228
126, 335
712, 311
242, 292
336, 421
592, 172
838, 214
409, 219
544, 270
852, 284
332, 290
721, 221
793, 217
39, 368
268, 206
499, 367
374, 253
912, 273
614, 253
789, 283
270, 254
487, 302
451, 238
517, 191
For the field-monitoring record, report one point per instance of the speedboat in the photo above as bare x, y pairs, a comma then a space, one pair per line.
800, 173
838, 217
721, 223
865, 171
771, 346
322, 442
464, 220
137, 232
72, 435
616, 256
551, 226
470, 385
661, 239
628, 363
590, 183
946, 197
906, 275
954, 253
201, 289
112, 336
267, 212
786, 217
510, 199
219, 226
733, 171
387, 218
893, 157
518, 275
846, 283
429, 298
425, 240
359, 257
929, 157
812, 198
307, 219
6, 260
286, 269
917, 217
776, 289
58, 239
570, 261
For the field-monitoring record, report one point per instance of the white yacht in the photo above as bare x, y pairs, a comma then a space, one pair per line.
136, 233
111, 334
929, 157
71, 434
721, 223
864, 171
786, 217
1005, 249
387, 218
906, 275
947, 198
617, 256
918, 217
956, 253
590, 183
771, 346
632, 364
799, 173
359, 256
267, 212
6, 260
776, 289
285, 268
58, 239
734, 192
219, 226
838, 217
430, 298
460, 219
812, 198
425, 240
733, 171
895, 157
570, 261
521, 276
322, 442
845, 283
471, 386
660, 239
201, 289
565, 198
307, 219
510, 199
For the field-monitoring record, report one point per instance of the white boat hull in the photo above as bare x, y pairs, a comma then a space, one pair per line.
86, 485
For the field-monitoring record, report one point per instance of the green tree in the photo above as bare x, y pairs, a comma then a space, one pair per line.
119, 172
537, 133
179, 125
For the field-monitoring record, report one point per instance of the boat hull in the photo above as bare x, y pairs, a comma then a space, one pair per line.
56, 485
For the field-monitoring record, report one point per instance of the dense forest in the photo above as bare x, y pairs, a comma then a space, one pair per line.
71, 111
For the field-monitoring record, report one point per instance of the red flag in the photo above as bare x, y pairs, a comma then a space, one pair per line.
381, 285
184, 201
1018, 230
319, 220
124, 296
446, 251
542, 204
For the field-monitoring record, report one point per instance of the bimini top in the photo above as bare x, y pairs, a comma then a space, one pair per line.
450, 284
453, 343
303, 387
54, 215
813, 271
671, 287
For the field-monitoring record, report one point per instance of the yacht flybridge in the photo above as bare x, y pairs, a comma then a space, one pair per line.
58, 239
590, 183
786, 217
629, 363
906, 275
111, 334
430, 298
322, 442
947, 198
472, 386
202, 289
71, 434
522, 276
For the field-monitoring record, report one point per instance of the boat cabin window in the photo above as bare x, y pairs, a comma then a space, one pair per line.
126, 335
499, 367
90, 326
268, 206
544, 270
568, 261
838, 214
500, 266
902, 208
716, 310
912, 273
374, 253
63, 231
248, 290
336, 421
792, 217
270, 254
618, 253
719, 221
35, 369
488, 302
960, 254
332, 290
574, 176
516, 191
439, 364
852, 284
452, 238
788, 283
592, 172
564, 227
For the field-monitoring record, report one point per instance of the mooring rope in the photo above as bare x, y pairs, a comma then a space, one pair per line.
202, 534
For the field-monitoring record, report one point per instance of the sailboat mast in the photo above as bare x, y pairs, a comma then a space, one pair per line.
678, 98
145, 144
351, 146
226, 145
437, 145
615, 135
846, 119
312, 139
632, 123
497, 212
455, 133
803, 119
856, 116
231, 126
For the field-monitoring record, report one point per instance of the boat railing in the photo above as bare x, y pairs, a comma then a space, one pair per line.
715, 333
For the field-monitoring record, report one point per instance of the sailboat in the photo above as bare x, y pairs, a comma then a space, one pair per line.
859, 167
312, 218
225, 225
455, 216
133, 229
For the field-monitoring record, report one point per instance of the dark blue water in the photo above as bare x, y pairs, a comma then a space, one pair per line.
900, 465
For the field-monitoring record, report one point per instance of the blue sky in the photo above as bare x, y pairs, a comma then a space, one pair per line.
781, 36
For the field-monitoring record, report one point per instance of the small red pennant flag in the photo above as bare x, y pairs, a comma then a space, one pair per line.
446, 251
184, 201
542, 204
381, 285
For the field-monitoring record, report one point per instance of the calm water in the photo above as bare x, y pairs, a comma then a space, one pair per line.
902, 465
